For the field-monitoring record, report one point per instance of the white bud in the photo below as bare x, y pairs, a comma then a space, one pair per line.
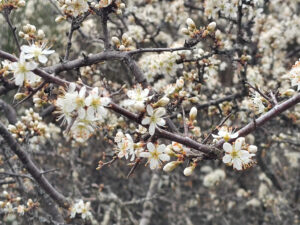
59, 19
115, 40
190, 23
193, 113
252, 148
40, 34
211, 27
289, 92
125, 37
162, 102
21, 3
169, 167
185, 31
179, 83
189, 171
218, 34
122, 48
122, 5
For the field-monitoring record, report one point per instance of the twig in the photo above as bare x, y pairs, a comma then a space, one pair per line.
6, 13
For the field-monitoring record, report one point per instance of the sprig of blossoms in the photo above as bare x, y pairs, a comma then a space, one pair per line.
11, 4
37, 52
82, 112
22, 71
137, 98
74, 7
226, 133
156, 155
81, 208
239, 155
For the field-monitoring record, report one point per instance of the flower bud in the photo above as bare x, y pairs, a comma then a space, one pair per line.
40, 34
194, 99
218, 34
189, 170
115, 40
193, 113
211, 27
122, 5
21, 34
252, 148
184, 31
119, 12
179, 83
21, 3
122, 48
289, 92
169, 167
125, 37
19, 96
162, 102
190, 23
59, 19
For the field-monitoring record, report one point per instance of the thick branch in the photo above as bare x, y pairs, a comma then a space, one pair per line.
32, 168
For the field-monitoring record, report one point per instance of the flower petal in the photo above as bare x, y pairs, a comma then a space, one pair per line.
227, 147
146, 120
152, 128
164, 157
227, 158
150, 147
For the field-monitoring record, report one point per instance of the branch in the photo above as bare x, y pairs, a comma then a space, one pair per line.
32, 168
9, 112
148, 205
275, 111
6, 13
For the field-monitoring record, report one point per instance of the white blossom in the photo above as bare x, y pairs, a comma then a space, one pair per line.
23, 71
154, 119
156, 154
37, 52
236, 155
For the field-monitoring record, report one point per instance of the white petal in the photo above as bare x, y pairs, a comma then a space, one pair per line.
154, 164
145, 154
26, 48
48, 52
161, 122
164, 157
31, 65
146, 120
227, 158
149, 110
19, 79
238, 143
152, 128
42, 59
160, 112
227, 147
150, 147
161, 148
237, 164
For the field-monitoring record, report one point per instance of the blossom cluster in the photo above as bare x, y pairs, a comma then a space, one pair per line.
81, 208
156, 64
82, 111
11, 4
74, 7
13, 205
